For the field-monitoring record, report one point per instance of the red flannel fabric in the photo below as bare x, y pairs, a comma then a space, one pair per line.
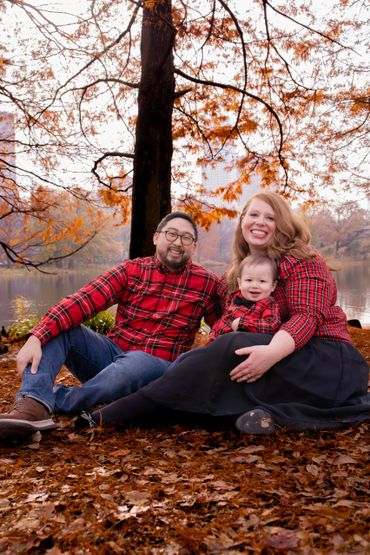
158, 311
262, 317
306, 295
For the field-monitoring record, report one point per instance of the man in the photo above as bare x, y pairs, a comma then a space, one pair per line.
160, 299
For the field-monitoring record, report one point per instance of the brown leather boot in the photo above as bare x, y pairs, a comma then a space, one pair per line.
27, 417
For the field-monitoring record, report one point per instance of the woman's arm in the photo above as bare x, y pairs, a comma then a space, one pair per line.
307, 294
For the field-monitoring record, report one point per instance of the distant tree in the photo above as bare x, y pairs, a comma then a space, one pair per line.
215, 244
109, 247
60, 229
321, 223
342, 229
34, 223
99, 94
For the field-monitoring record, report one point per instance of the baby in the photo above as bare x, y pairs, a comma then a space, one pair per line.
251, 308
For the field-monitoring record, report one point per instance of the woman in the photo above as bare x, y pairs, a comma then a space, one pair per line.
308, 375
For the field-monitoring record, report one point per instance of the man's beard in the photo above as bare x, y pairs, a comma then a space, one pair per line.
174, 264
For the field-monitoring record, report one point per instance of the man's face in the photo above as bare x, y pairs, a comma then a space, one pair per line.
173, 253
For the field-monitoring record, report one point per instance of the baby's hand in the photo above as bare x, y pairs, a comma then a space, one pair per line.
235, 324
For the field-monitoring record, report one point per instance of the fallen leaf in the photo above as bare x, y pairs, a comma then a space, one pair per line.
120, 453
137, 497
282, 540
344, 503
344, 459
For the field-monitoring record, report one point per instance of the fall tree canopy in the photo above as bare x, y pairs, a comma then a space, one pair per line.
122, 103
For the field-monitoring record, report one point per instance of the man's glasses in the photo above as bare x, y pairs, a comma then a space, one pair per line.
172, 235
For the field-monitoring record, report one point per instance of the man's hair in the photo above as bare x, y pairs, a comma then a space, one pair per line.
257, 260
174, 215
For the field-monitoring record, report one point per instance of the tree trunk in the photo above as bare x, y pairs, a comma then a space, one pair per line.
151, 187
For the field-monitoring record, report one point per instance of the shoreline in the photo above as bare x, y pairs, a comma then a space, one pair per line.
42, 290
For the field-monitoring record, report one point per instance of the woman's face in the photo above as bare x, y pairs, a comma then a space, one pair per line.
258, 225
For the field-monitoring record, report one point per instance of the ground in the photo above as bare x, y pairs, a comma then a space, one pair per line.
178, 490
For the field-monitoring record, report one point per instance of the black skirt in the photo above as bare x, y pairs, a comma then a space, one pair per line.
322, 386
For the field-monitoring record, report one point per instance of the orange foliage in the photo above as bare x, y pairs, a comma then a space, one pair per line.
284, 88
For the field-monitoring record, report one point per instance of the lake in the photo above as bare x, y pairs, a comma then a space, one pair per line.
41, 290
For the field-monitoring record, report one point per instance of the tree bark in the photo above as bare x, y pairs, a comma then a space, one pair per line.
151, 187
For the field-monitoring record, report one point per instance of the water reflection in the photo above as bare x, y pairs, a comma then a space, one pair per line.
354, 291
41, 291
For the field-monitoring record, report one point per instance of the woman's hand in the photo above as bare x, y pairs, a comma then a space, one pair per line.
30, 353
260, 358
255, 365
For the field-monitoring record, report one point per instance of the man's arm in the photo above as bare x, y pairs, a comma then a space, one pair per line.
217, 304
71, 311
99, 294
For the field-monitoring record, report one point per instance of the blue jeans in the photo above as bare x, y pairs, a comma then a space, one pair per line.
104, 370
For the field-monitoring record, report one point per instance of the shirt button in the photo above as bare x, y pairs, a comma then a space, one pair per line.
156, 315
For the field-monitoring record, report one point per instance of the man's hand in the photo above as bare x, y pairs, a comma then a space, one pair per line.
30, 353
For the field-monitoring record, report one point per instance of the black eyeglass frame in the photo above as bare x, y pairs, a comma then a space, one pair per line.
189, 239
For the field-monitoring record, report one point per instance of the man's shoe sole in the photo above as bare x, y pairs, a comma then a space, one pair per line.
13, 429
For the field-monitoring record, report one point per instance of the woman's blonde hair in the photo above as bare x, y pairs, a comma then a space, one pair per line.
291, 236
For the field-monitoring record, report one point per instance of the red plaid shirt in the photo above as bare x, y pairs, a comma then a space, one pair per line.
259, 317
306, 295
158, 311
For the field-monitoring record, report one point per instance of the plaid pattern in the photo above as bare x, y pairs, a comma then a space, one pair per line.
306, 295
158, 311
261, 317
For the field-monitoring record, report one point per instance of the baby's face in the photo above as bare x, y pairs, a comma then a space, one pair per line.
256, 282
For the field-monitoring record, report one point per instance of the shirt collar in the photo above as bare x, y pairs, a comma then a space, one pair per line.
241, 301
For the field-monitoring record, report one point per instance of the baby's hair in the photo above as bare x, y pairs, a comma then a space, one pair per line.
256, 260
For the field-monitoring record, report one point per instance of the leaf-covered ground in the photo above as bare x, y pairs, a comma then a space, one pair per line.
179, 490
